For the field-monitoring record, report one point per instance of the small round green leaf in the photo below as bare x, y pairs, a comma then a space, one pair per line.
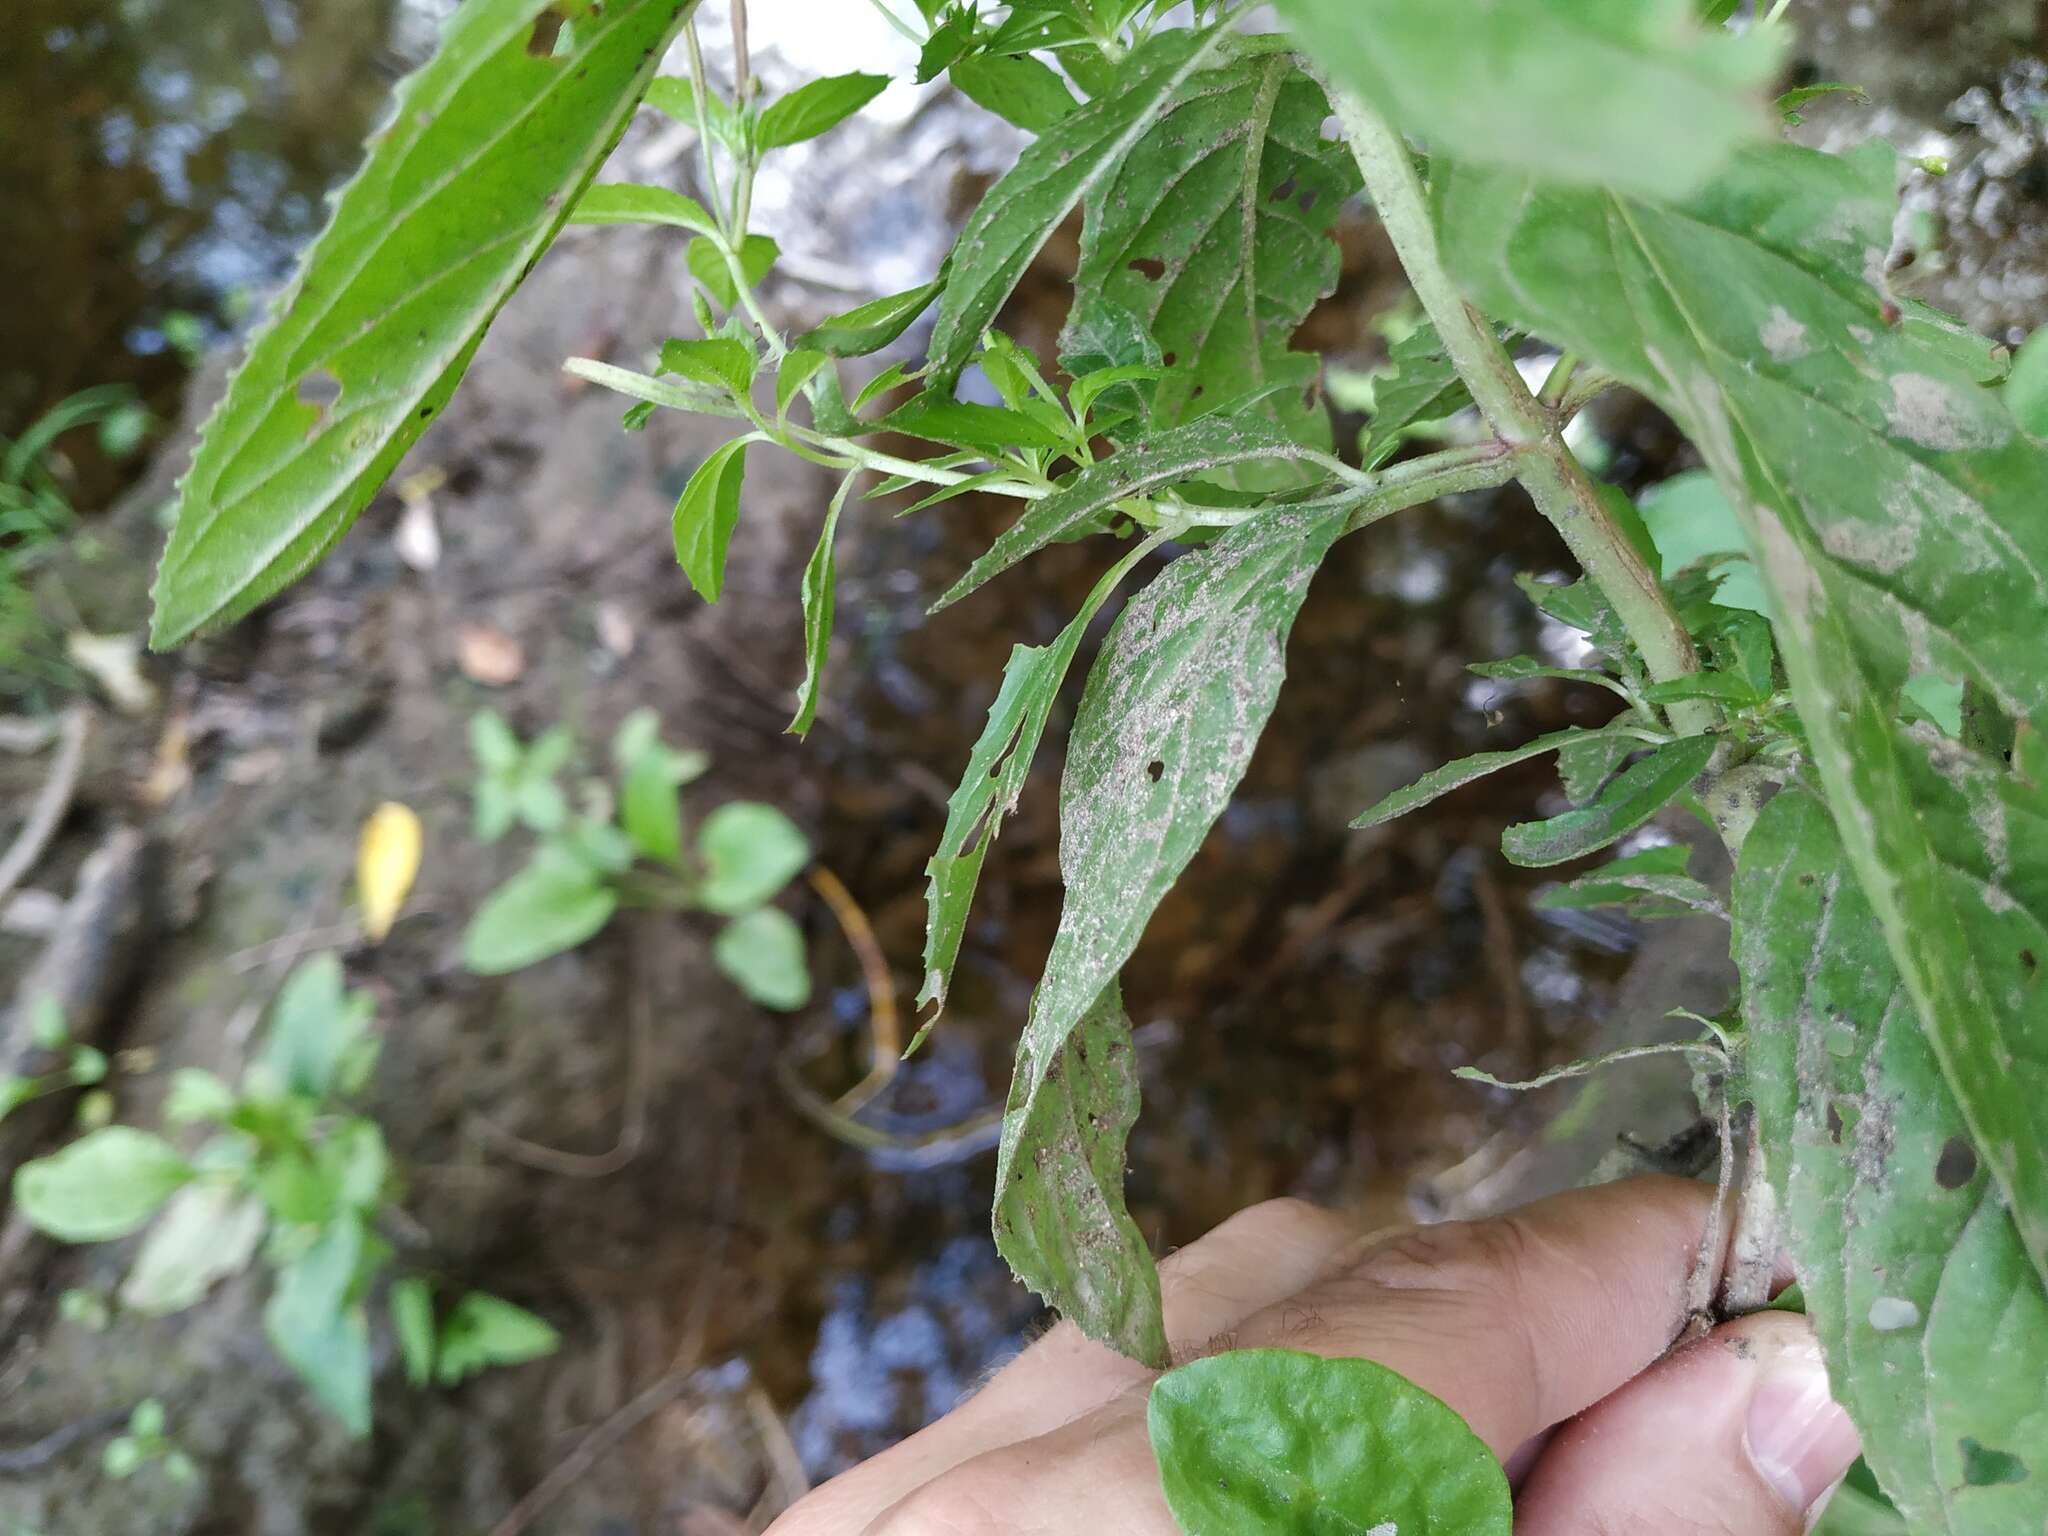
750, 852
763, 953
102, 1186
1273, 1442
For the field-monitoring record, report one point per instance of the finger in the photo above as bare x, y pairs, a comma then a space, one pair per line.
1519, 1322
1733, 1436
1258, 1256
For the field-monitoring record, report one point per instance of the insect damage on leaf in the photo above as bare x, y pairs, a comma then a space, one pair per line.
1910, 1262
1173, 708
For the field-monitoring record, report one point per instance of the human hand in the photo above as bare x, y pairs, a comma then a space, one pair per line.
1547, 1328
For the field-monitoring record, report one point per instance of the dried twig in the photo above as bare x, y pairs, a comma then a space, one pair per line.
52, 801
633, 1120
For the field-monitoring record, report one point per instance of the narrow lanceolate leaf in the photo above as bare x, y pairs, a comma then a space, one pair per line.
1439, 782
1635, 795
1274, 1442
1054, 173
995, 775
1652, 883
1215, 232
1934, 1323
620, 202
1892, 508
1167, 724
1637, 94
1424, 388
819, 589
706, 514
816, 107
488, 148
1182, 453
871, 326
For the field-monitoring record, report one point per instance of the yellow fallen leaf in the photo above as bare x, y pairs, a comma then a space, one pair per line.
387, 859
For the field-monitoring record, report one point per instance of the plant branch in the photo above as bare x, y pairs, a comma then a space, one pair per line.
1553, 477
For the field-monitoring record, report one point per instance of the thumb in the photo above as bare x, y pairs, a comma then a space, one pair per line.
1733, 1436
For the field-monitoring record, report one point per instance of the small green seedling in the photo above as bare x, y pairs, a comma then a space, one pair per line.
147, 1441
83, 1066
629, 848
286, 1172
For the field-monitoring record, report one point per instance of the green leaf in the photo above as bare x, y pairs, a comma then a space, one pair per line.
1173, 708
316, 1328
1057, 170
623, 202
706, 261
1656, 873
1425, 387
650, 775
1630, 93
481, 1331
996, 771
990, 429
1692, 523
651, 391
1273, 1442
1515, 669
706, 515
2026, 387
750, 851
1181, 453
316, 1024
871, 326
816, 107
1060, 1217
762, 951
1214, 232
1892, 509
552, 905
1439, 782
104, 1185
818, 591
1639, 792
1019, 89
206, 1233
1934, 1324
719, 361
196, 1095
796, 369
1791, 101
412, 1319
676, 99
486, 150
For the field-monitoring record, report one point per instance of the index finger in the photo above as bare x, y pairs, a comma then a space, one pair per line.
1518, 1322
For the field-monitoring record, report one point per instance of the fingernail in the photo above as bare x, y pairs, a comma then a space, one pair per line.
1800, 1439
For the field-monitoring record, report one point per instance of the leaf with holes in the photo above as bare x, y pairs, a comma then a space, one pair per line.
1176, 455
1626, 92
1173, 708
1274, 1442
1892, 510
1060, 168
1934, 1324
1214, 232
487, 150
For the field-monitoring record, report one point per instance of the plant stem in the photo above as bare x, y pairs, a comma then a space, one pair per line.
1553, 477
699, 85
